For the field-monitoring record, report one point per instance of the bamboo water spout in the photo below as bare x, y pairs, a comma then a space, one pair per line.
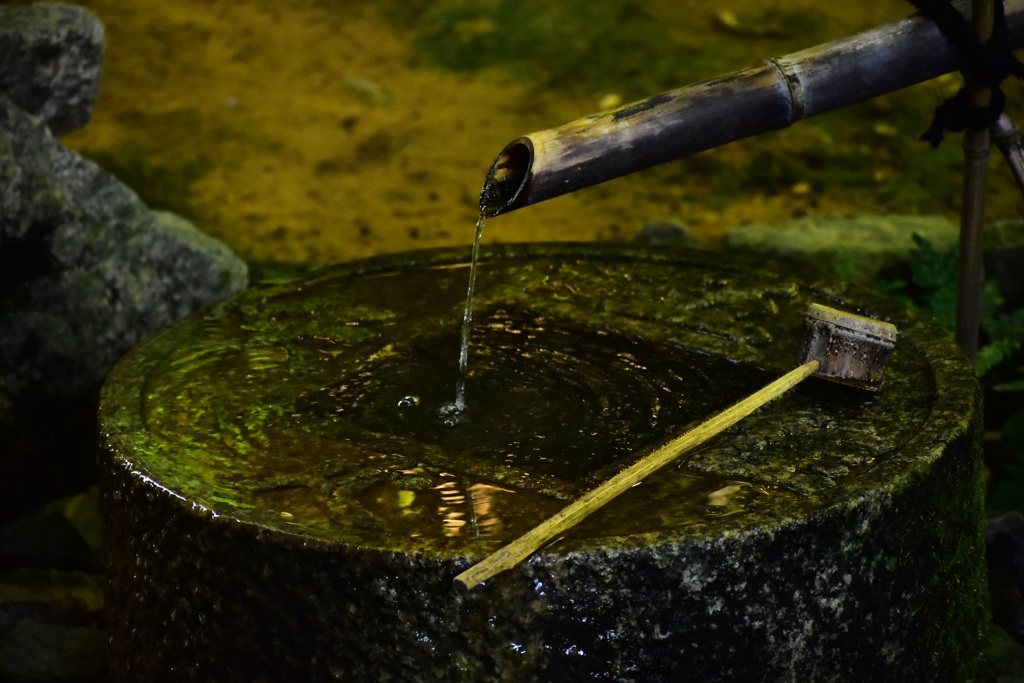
771, 96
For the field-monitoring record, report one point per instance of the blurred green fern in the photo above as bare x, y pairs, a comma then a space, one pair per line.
931, 290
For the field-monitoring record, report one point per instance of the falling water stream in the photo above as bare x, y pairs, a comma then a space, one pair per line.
502, 182
467, 325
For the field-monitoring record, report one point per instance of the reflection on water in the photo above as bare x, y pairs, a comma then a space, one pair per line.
468, 510
728, 500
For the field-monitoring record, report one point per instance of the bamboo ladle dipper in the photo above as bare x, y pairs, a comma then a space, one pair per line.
838, 346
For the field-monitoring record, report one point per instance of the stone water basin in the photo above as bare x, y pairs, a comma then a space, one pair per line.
283, 502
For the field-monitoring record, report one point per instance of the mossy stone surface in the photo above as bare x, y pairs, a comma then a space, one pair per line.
859, 249
271, 514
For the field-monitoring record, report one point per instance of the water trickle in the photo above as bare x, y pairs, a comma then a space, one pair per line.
450, 417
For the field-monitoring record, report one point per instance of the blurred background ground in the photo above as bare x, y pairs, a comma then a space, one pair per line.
324, 131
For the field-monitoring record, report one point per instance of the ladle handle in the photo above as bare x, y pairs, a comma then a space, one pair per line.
521, 548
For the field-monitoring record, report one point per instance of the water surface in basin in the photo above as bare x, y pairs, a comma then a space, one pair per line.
314, 407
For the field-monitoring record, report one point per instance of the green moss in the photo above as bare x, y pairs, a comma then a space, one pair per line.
268, 272
164, 186
964, 565
618, 45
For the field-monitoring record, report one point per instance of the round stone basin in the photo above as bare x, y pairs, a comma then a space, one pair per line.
284, 500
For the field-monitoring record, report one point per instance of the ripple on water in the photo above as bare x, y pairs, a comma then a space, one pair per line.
541, 395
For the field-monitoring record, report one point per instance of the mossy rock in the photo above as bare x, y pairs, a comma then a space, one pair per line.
857, 249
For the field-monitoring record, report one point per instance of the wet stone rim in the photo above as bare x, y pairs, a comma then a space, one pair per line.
915, 332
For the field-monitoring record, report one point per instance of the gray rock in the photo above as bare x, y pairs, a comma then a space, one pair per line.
34, 651
52, 626
86, 270
1004, 540
51, 56
51, 594
663, 233
852, 248
1007, 657
62, 533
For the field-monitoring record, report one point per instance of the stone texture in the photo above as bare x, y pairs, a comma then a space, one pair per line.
86, 270
1004, 538
51, 56
857, 248
857, 547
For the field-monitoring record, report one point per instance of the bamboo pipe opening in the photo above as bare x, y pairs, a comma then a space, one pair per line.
508, 177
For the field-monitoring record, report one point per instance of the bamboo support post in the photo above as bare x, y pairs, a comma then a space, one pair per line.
976, 145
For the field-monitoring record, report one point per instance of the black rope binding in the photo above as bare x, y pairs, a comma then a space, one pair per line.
986, 65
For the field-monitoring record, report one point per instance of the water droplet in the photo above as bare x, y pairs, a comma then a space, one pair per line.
450, 414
